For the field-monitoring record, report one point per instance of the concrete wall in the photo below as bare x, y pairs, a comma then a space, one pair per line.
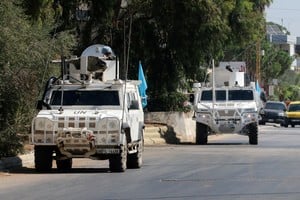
183, 125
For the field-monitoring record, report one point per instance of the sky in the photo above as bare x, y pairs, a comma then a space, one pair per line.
286, 13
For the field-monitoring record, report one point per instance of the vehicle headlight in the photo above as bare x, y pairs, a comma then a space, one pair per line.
43, 124
249, 115
281, 114
113, 124
203, 115
109, 124
109, 130
43, 130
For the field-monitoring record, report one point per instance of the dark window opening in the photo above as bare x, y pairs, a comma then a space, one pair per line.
243, 95
85, 98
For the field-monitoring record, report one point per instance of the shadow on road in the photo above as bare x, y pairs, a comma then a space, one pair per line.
26, 170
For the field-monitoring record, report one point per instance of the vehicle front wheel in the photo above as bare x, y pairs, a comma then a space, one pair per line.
43, 156
135, 160
262, 123
253, 134
201, 133
118, 163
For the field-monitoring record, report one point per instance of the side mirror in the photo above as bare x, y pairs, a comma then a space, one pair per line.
261, 111
41, 103
263, 97
192, 98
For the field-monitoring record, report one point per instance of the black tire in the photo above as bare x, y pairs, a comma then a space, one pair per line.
253, 136
43, 156
201, 133
135, 160
262, 123
118, 163
284, 124
64, 165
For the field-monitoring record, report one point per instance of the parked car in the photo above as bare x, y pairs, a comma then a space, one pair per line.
274, 112
293, 113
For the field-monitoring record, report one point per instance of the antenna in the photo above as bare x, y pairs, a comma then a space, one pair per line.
127, 62
63, 65
213, 85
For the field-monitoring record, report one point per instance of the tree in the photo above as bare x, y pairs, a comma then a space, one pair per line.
25, 53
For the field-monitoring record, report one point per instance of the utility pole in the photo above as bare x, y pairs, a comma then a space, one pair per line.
258, 54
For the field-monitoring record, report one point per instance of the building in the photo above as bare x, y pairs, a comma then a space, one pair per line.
288, 43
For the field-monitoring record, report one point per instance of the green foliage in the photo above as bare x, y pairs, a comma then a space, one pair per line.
10, 143
288, 88
173, 38
274, 62
25, 52
173, 101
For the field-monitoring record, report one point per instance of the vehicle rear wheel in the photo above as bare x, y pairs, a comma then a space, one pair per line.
262, 123
118, 163
285, 122
43, 158
201, 133
253, 134
64, 165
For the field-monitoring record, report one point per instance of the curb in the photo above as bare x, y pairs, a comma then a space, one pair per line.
16, 162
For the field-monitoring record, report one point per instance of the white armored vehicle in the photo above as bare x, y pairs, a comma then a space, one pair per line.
89, 113
226, 109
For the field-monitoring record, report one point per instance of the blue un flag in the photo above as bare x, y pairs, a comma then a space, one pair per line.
143, 86
257, 87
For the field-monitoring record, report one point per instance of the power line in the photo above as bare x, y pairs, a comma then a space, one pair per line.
284, 9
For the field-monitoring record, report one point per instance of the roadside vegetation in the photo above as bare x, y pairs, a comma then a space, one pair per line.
175, 41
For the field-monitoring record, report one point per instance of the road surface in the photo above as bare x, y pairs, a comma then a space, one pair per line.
228, 168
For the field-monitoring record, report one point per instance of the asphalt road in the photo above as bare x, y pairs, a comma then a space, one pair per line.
227, 168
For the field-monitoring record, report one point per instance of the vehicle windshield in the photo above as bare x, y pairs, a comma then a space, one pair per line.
207, 95
85, 98
294, 107
275, 106
233, 95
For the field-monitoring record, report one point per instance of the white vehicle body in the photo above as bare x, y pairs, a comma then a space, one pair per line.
85, 115
226, 110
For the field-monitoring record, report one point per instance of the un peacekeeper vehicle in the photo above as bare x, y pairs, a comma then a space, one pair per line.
89, 113
226, 109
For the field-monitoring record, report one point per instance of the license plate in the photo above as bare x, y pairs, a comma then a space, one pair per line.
108, 151
295, 120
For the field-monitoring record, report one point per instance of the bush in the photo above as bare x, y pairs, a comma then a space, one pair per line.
10, 143
174, 101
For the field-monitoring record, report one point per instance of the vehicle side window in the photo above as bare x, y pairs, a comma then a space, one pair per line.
294, 107
132, 101
275, 106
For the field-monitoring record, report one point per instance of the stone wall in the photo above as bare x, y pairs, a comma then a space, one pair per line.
181, 123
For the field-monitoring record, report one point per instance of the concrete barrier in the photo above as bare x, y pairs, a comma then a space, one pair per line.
181, 123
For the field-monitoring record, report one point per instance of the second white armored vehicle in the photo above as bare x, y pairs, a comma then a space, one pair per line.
226, 109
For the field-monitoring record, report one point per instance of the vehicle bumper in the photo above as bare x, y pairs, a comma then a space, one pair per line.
295, 121
275, 120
